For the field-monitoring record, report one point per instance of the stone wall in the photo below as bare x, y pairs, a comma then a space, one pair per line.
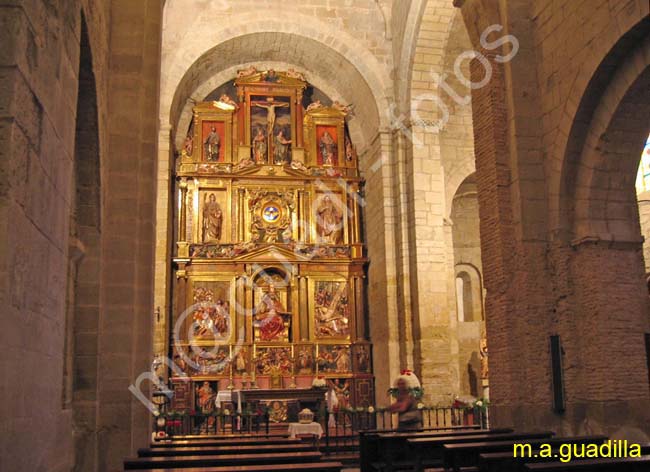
77, 308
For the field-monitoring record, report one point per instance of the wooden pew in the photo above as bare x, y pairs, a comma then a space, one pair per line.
307, 467
506, 462
467, 454
218, 450
220, 460
387, 447
429, 451
630, 464
225, 442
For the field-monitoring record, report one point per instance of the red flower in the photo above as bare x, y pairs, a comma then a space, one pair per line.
406, 372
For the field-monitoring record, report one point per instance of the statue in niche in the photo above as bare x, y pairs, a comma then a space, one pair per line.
329, 222
240, 360
363, 359
269, 316
343, 360
483, 350
188, 145
205, 398
259, 147
350, 152
212, 219
305, 360
212, 145
328, 149
281, 149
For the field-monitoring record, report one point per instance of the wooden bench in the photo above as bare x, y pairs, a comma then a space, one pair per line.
429, 451
229, 436
630, 464
389, 447
228, 442
506, 462
467, 454
218, 450
307, 467
220, 460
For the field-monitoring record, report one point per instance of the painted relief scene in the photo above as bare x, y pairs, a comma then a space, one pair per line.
334, 359
210, 319
331, 309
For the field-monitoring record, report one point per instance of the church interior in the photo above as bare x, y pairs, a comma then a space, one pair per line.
259, 235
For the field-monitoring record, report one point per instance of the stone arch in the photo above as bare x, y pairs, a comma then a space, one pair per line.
589, 85
314, 46
598, 196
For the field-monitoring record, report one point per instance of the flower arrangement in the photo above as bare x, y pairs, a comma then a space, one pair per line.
481, 404
412, 383
319, 382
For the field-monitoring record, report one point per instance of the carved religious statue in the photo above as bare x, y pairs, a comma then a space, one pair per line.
483, 349
281, 153
212, 145
270, 106
212, 219
329, 222
328, 149
205, 398
269, 316
259, 147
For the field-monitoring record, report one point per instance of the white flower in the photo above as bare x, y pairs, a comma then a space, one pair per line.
371, 409
420, 406
226, 412
479, 403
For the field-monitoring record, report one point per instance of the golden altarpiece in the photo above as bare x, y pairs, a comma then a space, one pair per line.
269, 261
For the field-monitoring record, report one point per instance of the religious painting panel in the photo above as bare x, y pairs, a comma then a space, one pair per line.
271, 315
331, 308
211, 312
275, 362
304, 359
329, 215
333, 359
271, 129
211, 361
213, 216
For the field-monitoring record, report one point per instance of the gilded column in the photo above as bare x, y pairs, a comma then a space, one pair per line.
241, 216
182, 231
354, 197
359, 309
299, 120
240, 309
304, 308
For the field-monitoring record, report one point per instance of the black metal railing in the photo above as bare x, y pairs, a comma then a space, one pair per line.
183, 424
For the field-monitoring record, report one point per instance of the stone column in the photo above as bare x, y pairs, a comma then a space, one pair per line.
125, 343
